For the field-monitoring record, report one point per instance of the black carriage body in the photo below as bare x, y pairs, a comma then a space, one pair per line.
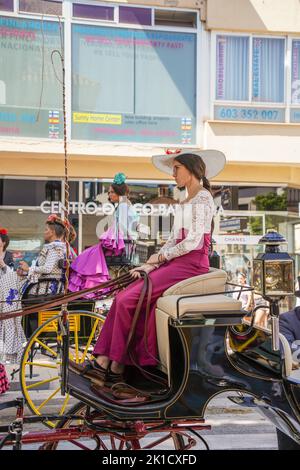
202, 366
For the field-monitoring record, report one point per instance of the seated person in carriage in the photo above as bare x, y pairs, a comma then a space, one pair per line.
6, 258
90, 269
13, 284
185, 254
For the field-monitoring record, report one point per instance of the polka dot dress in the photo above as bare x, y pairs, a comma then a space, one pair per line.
12, 337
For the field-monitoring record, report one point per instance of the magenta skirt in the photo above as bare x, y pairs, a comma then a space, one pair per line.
89, 269
113, 337
4, 384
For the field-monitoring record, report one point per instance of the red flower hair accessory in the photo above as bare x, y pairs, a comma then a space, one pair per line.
3, 231
55, 219
173, 151
52, 218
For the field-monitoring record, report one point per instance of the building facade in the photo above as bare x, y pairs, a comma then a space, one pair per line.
142, 76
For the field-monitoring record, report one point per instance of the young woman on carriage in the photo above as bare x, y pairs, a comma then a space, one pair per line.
90, 269
185, 254
13, 284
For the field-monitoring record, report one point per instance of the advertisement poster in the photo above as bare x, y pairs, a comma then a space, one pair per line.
116, 92
30, 94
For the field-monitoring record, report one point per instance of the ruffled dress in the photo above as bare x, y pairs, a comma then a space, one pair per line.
90, 269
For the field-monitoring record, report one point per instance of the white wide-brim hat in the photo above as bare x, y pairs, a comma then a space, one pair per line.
214, 161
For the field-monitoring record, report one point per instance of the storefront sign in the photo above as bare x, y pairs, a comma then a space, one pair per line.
233, 224
295, 72
30, 95
295, 112
237, 239
116, 93
242, 113
256, 69
91, 208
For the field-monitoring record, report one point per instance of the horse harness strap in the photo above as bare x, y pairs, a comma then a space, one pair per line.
121, 281
137, 313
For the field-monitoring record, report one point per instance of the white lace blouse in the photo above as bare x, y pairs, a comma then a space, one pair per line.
195, 217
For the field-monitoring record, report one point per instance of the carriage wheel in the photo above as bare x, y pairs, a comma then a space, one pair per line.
40, 363
114, 440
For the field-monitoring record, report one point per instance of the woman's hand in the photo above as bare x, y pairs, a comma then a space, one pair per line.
136, 272
24, 266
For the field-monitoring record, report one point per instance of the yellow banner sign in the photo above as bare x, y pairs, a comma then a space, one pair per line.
114, 119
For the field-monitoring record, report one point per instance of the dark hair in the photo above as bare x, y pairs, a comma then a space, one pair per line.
72, 234
120, 189
196, 166
5, 239
59, 228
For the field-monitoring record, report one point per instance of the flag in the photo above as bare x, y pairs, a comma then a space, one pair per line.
186, 124
186, 121
53, 117
53, 128
53, 114
53, 135
186, 134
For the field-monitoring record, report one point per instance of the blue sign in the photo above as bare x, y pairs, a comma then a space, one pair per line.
295, 115
236, 113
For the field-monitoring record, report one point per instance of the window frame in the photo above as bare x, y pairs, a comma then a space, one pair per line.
249, 102
68, 20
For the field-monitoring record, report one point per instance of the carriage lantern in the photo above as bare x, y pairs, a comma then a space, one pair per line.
273, 277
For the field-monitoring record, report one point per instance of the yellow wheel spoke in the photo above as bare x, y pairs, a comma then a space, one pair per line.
37, 384
76, 343
89, 340
48, 399
66, 400
46, 347
40, 364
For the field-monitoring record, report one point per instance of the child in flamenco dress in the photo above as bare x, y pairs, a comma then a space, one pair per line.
89, 269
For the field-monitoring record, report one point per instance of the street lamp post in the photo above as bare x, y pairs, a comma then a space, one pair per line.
273, 277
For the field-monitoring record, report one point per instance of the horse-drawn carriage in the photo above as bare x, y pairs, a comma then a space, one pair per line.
205, 348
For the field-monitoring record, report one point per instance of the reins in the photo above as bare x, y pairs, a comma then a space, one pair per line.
113, 285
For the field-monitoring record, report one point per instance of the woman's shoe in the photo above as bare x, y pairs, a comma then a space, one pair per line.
117, 396
113, 377
91, 370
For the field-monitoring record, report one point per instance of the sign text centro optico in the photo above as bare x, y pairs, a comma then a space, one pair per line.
106, 208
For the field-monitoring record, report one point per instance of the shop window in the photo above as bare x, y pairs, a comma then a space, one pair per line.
184, 19
232, 75
232, 69
268, 70
6, 5
133, 15
46, 7
25, 58
53, 191
106, 107
93, 12
24, 193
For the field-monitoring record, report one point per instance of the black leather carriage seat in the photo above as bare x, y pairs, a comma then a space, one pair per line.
290, 373
166, 309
